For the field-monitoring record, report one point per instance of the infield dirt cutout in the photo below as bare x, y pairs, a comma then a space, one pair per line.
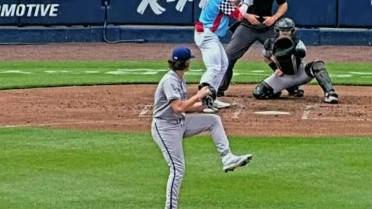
129, 107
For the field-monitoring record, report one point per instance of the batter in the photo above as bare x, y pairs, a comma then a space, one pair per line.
213, 24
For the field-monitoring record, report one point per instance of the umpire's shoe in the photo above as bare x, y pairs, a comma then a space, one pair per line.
230, 161
331, 97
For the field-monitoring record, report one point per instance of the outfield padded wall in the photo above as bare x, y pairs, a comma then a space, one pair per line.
4, 19
314, 13
68, 12
356, 13
161, 13
320, 22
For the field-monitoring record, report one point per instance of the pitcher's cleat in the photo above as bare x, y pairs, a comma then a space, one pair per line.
230, 161
210, 110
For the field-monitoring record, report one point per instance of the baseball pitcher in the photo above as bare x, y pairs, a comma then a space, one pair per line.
172, 122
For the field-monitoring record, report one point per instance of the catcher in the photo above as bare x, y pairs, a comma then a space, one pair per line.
284, 54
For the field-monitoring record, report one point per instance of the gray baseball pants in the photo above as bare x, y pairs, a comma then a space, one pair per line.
169, 136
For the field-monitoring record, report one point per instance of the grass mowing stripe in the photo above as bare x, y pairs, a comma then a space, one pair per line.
42, 168
33, 74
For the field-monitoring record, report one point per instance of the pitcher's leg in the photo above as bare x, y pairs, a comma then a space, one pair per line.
198, 123
169, 140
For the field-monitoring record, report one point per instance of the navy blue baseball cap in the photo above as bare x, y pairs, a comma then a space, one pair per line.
181, 54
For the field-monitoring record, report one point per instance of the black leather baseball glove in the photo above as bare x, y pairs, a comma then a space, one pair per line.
209, 99
283, 46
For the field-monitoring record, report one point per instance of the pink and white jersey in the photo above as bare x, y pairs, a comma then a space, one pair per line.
215, 15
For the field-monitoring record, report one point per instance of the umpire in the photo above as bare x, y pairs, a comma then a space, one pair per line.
258, 25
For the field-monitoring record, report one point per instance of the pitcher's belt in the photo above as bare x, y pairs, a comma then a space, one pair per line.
172, 121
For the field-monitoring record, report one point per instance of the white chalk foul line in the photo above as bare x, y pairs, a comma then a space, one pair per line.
51, 124
272, 112
240, 107
307, 111
342, 119
145, 110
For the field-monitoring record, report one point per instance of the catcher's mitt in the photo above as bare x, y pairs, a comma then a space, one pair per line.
283, 46
209, 99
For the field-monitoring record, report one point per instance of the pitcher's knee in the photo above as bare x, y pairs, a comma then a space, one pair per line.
178, 171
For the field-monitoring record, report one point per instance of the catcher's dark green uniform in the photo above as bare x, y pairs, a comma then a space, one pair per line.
291, 65
287, 54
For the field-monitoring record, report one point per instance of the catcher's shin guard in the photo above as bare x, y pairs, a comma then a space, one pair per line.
264, 91
318, 70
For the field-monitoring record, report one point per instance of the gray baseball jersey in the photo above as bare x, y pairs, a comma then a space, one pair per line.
170, 87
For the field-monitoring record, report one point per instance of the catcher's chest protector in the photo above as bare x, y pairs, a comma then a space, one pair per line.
286, 59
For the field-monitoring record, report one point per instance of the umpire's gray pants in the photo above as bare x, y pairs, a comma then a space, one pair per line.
240, 42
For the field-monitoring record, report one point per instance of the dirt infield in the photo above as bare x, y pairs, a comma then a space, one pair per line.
128, 108
100, 51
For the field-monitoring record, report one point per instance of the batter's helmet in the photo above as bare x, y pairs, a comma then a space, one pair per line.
285, 24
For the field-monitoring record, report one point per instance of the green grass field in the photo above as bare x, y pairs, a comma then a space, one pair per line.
42, 169
31, 74
65, 169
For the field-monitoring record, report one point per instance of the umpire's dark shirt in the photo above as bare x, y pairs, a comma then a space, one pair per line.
261, 8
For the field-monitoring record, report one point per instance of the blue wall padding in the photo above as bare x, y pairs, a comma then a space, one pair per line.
125, 12
70, 12
50, 35
163, 35
313, 13
309, 36
355, 13
4, 20
346, 37
37, 35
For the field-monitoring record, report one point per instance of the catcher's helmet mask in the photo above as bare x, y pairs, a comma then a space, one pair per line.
285, 24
